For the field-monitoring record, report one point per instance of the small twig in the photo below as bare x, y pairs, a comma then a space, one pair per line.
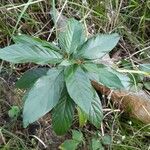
2, 137
117, 110
144, 49
146, 110
102, 129
45, 146
108, 109
140, 130
20, 16
22, 5
133, 71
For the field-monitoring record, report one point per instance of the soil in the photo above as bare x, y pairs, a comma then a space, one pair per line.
40, 130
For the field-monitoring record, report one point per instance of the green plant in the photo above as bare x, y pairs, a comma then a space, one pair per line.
77, 138
14, 112
67, 85
98, 143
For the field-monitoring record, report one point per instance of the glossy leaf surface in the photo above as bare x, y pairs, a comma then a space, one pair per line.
43, 96
30, 77
79, 87
63, 113
71, 36
98, 46
22, 53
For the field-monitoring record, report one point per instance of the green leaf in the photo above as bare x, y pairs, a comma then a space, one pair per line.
98, 46
62, 115
96, 144
77, 136
125, 80
147, 85
96, 112
72, 36
69, 145
105, 75
22, 53
106, 140
30, 77
92, 70
79, 87
145, 67
14, 112
43, 96
66, 63
34, 41
82, 117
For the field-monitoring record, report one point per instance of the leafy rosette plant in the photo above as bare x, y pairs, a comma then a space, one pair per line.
66, 86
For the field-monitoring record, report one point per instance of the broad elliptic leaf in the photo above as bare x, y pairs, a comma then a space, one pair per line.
71, 36
34, 41
96, 112
125, 80
63, 113
145, 67
106, 140
79, 87
110, 79
69, 145
97, 46
105, 75
43, 96
77, 136
92, 71
30, 77
23, 53
96, 144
